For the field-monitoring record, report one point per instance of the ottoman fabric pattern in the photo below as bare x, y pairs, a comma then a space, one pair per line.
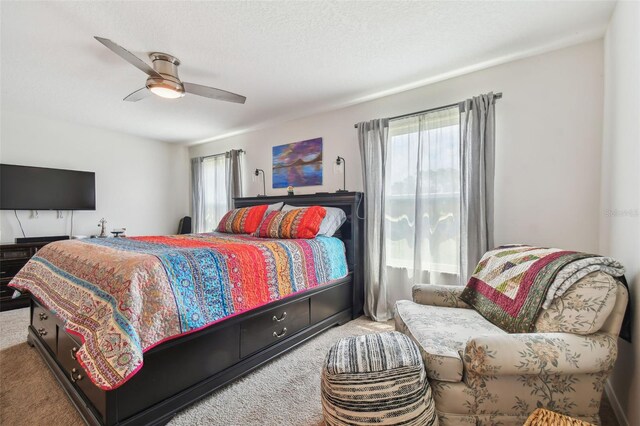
376, 379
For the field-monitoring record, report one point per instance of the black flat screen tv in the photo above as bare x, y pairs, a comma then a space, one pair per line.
39, 188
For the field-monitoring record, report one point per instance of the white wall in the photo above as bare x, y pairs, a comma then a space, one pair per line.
620, 209
141, 184
549, 127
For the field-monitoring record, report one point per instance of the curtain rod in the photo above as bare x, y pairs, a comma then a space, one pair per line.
495, 96
240, 151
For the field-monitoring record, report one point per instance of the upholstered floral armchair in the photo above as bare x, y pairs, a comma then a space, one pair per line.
483, 375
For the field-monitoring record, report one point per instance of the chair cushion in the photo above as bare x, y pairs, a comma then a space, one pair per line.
583, 308
376, 379
441, 334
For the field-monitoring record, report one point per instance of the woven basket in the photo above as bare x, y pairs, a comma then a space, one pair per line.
542, 417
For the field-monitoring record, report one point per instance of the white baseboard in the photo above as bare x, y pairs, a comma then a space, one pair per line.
615, 404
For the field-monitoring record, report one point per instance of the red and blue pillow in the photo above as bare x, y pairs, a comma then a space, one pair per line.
297, 223
244, 220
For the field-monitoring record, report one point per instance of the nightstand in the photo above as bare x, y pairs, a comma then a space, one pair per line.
12, 258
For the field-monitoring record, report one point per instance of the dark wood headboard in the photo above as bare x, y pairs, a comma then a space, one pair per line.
351, 232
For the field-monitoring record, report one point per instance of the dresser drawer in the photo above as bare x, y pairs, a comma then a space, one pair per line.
10, 269
6, 296
17, 253
13, 257
5, 291
272, 326
45, 325
67, 348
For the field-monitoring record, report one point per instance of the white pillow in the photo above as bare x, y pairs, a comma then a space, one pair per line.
333, 220
274, 207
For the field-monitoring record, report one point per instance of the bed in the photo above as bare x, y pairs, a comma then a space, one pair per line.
146, 377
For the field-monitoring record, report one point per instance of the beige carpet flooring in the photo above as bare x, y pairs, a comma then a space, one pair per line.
284, 392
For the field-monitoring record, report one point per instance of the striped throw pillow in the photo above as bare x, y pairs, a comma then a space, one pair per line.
297, 223
242, 221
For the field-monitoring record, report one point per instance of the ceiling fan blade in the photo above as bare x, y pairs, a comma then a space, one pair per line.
128, 56
212, 92
137, 95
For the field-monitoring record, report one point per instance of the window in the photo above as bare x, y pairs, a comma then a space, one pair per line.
214, 188
215, 181
422, 210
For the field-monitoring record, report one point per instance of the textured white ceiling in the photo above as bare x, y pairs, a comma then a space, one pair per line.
288, 58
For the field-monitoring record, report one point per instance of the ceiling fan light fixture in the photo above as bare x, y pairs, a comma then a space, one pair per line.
163, 78
165, 89
165, 92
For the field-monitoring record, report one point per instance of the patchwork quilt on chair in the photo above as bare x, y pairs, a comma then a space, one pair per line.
511, 283
123, 296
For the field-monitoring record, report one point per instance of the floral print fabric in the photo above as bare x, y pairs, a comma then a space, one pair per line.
535, 353
506, 376
439, 295
584, 307
441, 333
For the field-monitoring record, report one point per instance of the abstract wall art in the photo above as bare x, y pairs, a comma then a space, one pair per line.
298, 164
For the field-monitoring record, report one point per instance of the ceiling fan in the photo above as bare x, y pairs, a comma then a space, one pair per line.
163, 77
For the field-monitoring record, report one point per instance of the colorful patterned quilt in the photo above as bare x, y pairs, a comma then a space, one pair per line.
511, 283
123, 296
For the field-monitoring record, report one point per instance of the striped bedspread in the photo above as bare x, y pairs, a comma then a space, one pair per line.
123, 296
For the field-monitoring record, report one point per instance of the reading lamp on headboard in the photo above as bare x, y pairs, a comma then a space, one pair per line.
264, 186
341, 161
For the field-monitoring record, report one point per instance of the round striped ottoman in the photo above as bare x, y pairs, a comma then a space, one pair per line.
376, 379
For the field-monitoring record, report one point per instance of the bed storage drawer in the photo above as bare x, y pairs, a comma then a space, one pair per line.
45, 326
330, 302
272, 326
67, 348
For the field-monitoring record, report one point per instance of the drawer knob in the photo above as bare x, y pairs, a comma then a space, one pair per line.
43, 316
73, 353
276, 319
281, 334
75, 376
42, 331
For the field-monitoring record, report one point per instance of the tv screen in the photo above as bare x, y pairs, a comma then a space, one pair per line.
38, 188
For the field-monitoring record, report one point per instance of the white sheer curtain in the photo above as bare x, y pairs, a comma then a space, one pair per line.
214, 191
422, 202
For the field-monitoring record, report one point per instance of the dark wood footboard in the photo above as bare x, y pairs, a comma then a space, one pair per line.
182, 371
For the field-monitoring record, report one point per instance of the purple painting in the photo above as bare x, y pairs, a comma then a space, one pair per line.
298, 164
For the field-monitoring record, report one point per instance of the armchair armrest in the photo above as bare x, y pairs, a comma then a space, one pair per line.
447, 296
540, 353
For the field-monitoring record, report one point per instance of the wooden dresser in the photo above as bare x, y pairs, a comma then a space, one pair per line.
12, 258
